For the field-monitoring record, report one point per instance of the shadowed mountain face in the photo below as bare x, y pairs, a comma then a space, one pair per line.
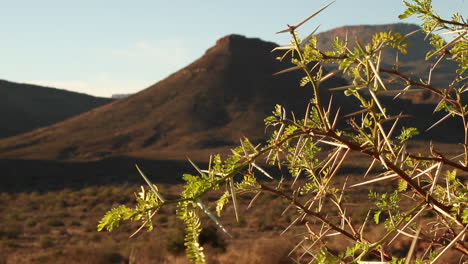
44, 175
26, 107
412, 64
210, 103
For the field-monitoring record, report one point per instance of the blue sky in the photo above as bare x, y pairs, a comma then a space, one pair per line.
103, 47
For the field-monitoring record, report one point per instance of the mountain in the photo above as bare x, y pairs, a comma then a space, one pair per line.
211, 103
411, 64
26, 107
202, 109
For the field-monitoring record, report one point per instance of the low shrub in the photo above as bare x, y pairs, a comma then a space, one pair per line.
55, 222
175, 242
45, 242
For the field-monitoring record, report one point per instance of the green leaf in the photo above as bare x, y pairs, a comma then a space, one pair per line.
406, 14
270, 120
407, 133
377, 217
465, 216
192, 230
398, 261
304, 81
223, 200
278, 112
114, 217
402, 185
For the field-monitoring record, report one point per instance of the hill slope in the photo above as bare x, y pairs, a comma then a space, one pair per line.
212, 102
25, 107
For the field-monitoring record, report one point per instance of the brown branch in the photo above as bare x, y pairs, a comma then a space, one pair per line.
377, 156
403, 175
426, 86
460, 246
400, 75
444, 21
442, 159
328, 57
322, 218
411, 82
312, 213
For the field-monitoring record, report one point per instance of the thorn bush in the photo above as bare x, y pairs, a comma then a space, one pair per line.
315, 148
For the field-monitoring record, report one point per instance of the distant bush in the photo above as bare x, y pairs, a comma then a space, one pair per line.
103, 254
11, 231
209, 236
75, 223
30, 222
175, 242
314, 148
45, 242
55, 222
11, 244
95, 237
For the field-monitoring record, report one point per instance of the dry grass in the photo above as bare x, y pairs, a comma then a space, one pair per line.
60, 227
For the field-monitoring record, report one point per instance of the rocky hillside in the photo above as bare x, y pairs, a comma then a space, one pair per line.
211, 103
204, 107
